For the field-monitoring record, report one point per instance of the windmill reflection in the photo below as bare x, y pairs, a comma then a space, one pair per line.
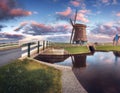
78, 61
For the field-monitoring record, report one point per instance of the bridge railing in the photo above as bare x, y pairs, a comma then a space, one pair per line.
31, 48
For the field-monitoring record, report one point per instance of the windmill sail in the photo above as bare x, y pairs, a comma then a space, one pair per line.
75, 17
71, 38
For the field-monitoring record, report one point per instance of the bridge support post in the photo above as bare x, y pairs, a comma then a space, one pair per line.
38, 47
47, 44
43, 45
29, 49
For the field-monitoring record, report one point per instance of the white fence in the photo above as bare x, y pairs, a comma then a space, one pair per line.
32, 48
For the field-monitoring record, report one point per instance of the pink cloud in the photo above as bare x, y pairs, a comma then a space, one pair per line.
75, 3
118, 14
20, 12
3, 6
109, 24
107, 29
35, 28
9, 10
22, 24
105, 1
65, 13
40, 25
81, 16
85, 11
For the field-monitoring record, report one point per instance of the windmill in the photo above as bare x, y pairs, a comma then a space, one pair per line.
78, 34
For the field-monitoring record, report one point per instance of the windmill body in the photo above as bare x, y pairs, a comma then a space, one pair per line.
79, 36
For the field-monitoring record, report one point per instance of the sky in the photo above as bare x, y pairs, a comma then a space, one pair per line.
50, 19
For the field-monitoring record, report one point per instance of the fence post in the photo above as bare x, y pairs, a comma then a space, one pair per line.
43, 45
47, 43
38, 46
29, 49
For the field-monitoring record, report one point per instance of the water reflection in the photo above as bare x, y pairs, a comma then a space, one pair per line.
51, 58
117, 55
101, 74
79, 61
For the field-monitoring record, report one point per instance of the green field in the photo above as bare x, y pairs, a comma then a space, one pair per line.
107, 48
28, 76
71, 48
78, 49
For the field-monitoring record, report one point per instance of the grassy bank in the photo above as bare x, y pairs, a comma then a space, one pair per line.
107, 48
77, 49
27, 76
71, 48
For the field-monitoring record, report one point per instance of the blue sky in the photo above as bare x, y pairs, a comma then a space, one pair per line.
49, 19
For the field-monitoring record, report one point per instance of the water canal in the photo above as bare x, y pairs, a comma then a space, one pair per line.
98, 72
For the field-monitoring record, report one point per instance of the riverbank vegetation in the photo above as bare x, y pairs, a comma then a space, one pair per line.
78, 49
107, 48
71, 48
28, 76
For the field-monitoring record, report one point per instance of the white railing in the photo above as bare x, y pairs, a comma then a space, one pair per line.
31, 48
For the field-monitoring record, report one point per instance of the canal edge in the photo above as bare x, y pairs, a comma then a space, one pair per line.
70, 84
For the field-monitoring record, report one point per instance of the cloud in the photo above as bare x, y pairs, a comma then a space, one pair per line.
118, 14
68, 13
106, 29
19, 12
10, 10
22, 24
35, 28
59, 38
99, 38
75, 3
81, 16
65, 13
115, 2
11, 36
105, 1
2, 26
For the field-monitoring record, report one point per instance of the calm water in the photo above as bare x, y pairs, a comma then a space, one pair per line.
98, 72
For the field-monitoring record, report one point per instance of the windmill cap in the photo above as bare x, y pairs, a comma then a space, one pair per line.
80, 25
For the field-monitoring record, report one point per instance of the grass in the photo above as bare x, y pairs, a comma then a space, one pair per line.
72, 49
27, 76
77, 49
107, 48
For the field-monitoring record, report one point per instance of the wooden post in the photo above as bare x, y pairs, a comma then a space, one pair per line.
43, 45
46, 44
29, 49
38, 46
